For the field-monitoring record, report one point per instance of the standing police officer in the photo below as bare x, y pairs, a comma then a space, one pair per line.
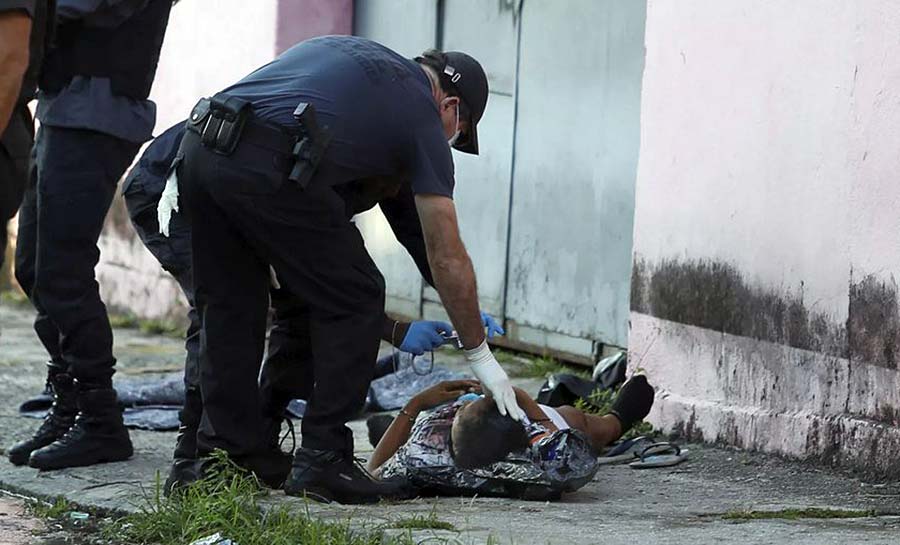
25, 25
270, 168
94, 116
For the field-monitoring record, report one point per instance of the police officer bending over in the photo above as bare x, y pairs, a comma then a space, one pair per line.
270, 168
286, 372
94, 116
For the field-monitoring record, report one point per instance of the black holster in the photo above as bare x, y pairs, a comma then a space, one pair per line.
219, 121
310, 147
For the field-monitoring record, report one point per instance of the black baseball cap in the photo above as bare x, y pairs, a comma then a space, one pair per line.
467, 77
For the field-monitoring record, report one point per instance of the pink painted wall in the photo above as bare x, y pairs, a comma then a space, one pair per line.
768, 165
299, 20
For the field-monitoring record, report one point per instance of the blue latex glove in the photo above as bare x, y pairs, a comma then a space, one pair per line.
493, 328
424, 335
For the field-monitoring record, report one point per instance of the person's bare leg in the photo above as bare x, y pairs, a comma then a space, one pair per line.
601, 430
631, 405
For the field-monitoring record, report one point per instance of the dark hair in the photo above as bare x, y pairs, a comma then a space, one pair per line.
436, 60
482, 436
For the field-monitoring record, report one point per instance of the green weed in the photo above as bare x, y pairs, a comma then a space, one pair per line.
801, 513
160, 327
543, 367
123, 320
227, 502
50, 511
14, 298
423, 522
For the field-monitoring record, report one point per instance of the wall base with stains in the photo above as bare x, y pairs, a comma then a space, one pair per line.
764, 296
759, 395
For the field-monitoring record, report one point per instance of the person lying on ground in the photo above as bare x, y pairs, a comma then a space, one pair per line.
462, 430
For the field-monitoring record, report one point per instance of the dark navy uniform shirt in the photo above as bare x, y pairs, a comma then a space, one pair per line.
89, 102
376, 104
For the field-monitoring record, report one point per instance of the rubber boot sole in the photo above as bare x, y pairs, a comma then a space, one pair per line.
19, 458
323, 495
100, 456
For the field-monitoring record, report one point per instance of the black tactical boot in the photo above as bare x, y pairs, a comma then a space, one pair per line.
98, 435
330, 475
58, 420
185, 455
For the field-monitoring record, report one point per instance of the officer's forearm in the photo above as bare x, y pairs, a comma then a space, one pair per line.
454, 277
455, 281
15, 30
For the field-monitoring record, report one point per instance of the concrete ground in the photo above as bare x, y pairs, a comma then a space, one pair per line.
683, 504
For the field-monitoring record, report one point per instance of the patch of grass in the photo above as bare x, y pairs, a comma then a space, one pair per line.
228, 502
127, 320
600, 403
800, 513
505, 356
160, 327
423, 522
14, 298
543, 367
50, 511
123, 320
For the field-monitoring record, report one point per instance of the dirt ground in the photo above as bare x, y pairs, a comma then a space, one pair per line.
16, 527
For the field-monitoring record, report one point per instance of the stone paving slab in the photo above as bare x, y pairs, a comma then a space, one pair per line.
621, 506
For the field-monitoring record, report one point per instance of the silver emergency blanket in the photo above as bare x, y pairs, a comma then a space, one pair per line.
413, 375
559, 462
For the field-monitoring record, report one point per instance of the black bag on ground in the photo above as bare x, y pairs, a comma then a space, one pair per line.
564, 389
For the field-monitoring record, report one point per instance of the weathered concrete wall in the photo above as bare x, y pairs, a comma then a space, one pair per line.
766, 232
209, 45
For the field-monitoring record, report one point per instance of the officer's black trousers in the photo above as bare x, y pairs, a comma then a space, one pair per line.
56, 249
246, 215
286, 373
15, 151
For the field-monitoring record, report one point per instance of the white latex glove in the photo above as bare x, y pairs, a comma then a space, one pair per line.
168, 202
494, 379
273, 278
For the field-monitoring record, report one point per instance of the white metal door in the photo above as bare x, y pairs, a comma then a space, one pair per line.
576, 149
408, 27
488, 32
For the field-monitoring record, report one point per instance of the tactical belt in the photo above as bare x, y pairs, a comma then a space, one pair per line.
224, 121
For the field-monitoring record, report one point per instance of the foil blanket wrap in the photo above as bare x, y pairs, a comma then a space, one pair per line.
559, 462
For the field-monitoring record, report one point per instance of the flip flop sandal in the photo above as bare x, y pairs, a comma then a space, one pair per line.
626, 451
660, 455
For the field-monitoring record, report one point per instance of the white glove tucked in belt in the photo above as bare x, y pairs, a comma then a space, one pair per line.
168, 202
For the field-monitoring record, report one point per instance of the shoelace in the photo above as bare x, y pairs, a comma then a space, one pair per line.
53, 424
360, 464
71, 432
